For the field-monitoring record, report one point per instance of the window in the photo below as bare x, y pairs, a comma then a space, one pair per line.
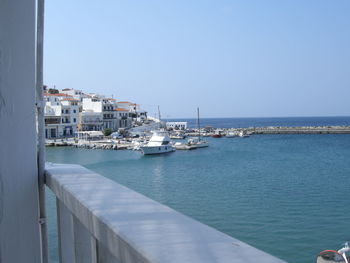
75, 111
74, 120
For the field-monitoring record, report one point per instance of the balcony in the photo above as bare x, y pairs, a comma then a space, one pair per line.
102, 221
52, 120
91, 122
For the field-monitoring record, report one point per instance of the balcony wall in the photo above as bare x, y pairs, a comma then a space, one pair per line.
102, 221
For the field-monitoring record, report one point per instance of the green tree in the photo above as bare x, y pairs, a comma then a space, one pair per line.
107, 132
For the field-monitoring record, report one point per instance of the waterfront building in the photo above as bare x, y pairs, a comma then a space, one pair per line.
124, 118
105, 106
61, 115
90, 121
176, 125
109, 116
136, 115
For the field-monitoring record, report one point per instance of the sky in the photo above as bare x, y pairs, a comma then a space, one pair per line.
230, 58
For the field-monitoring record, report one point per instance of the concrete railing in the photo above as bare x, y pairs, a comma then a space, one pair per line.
102, 221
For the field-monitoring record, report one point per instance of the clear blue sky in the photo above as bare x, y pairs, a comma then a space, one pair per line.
232, 58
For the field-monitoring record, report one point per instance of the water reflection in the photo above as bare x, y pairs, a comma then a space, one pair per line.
158, 180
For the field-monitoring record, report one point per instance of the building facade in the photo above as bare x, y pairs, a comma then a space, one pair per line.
61, 115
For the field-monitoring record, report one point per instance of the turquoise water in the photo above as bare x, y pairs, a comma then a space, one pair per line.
285, 194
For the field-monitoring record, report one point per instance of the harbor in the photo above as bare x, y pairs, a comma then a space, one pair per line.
90, 172
132, 142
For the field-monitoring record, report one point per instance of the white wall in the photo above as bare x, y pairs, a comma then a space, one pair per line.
19, 228
95, 106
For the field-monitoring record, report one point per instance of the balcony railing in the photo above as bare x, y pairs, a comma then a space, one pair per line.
90, 122
102, 221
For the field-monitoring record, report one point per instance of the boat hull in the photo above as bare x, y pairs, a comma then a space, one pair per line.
148, 150
201, 145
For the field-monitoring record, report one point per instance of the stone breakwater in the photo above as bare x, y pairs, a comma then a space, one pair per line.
89, 144
300, 130
274, 130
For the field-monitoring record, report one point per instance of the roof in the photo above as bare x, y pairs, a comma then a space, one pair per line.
124, 102
66, 89
57, 95
70, 99
120, 109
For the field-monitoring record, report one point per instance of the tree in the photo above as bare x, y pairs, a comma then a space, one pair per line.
53, 91
107, 132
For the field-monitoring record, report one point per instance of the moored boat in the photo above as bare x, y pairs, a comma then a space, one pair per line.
159, 143
243, 134
231, 134
196, 143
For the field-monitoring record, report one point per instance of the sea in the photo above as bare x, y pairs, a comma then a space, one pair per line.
287, 195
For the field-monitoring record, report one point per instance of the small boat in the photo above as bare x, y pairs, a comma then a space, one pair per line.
333, 256
216, 135
183, 146
230, 134
159, 143
197, 143
177, 136
243, 134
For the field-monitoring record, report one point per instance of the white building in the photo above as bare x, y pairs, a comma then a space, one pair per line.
176, 125
123, 117
136, 113
105, 106
61, 115
90, 121
77, 94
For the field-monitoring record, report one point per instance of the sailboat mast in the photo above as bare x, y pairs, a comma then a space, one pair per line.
199, 127
158, 112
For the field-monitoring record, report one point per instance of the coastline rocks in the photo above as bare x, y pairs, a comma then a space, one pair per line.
97, 146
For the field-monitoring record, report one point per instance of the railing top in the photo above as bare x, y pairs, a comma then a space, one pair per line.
137, 229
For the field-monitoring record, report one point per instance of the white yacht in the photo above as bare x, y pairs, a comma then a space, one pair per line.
158, 143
